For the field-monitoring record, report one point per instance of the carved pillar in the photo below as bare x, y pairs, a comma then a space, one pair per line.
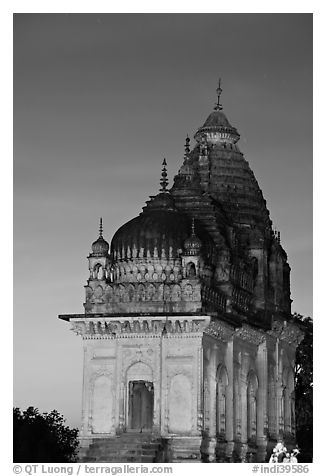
209, 435
163, 386
223, 334
279, 392
262, 368
121, 408
272, 414
212, 415
244, 406
237, 402
200, 409
121, 391
157, 381
84, 424
229, 430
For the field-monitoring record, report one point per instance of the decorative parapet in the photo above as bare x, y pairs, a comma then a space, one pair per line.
111, 328
220, 330
213, 298
287, 332
241, 299
142, 297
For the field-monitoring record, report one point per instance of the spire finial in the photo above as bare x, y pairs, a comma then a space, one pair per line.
218, 105
101, 228
164, 181
193, 226
187, 147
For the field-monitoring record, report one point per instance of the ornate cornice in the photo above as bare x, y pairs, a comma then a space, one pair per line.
153, 326
251, 335
220, 330
287, 332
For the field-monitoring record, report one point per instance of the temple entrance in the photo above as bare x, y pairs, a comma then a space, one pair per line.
141, 404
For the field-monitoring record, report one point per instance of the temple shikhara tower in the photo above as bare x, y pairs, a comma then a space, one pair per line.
189, 343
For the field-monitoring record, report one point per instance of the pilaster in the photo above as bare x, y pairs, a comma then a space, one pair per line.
229, 431
262, 419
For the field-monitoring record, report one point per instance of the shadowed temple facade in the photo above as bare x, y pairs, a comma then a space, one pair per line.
189, 342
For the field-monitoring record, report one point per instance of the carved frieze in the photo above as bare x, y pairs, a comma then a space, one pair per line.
78, 327
107, 328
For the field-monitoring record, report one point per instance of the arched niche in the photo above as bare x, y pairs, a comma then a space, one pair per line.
141, 293
139, 371
98, 294
88, 292
180, 405
130, 292
176, 292
102, 403
108, 293
151, 290
188, 292
190, 270
167, 292
98, 271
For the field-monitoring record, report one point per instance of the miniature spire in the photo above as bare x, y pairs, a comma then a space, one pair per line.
101, 228
100, 247
164, 181
187, 148
192, 244
193, 226
218, 105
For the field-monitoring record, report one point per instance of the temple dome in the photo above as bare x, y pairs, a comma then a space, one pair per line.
217, 119
217, 128
158, 232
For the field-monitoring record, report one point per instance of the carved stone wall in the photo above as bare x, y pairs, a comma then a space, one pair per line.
117, 353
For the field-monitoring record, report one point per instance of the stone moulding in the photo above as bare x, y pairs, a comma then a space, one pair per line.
122, 327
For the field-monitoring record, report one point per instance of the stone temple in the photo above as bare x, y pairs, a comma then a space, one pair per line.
189, 343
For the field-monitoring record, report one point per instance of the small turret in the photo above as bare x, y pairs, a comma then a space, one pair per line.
191, 255
99, 257
100, 247
192, 244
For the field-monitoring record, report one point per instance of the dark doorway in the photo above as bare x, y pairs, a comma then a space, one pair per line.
141, 403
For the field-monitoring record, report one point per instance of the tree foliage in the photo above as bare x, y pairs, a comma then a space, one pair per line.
42, 438
304, 389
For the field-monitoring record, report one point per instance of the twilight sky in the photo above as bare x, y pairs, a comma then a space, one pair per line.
99, 100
